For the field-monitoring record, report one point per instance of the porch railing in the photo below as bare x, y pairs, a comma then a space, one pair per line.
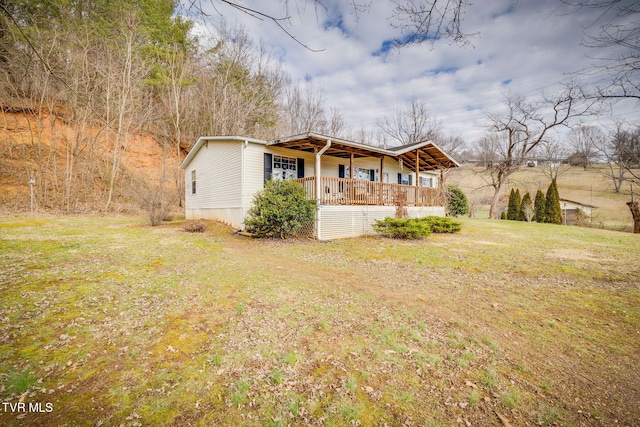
345, 191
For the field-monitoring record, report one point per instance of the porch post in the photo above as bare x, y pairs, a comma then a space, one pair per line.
317, 172
417, 203
351, 177
382, 180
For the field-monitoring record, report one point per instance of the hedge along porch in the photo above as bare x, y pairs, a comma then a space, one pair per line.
353, 183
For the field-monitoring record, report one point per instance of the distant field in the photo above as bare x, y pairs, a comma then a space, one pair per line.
590, 187
106, 321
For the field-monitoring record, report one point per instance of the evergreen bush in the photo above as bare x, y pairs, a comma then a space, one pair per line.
439, 224
457, 203
402, 228
540, 204
526, 209
513, 208
553, 212
281, 209
415, 228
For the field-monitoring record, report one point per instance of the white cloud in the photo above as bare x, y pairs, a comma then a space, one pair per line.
522, 47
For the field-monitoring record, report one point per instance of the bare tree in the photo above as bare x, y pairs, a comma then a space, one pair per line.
553, 156
305, 111
616, 28
583, 142
431, 20
419, 21
525, 125
454, 145
622, 153
411, 124
486, 150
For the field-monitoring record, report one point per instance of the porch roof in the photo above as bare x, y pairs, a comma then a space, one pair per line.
431, 156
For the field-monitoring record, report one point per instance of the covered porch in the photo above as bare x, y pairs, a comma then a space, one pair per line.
345, 191
411, 160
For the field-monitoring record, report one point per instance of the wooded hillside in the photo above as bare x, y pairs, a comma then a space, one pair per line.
100, 100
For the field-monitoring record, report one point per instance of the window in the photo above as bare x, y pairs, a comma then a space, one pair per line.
193, 182
359, 173
404, 178
426, 182
284, 167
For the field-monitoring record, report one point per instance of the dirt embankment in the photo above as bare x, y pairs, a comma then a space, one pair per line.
73, 165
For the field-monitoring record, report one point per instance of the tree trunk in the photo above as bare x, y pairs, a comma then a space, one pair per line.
635, 211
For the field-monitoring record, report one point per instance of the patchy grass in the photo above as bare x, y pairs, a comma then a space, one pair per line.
117, 323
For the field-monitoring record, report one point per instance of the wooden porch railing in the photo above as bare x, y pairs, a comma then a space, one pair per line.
345, 191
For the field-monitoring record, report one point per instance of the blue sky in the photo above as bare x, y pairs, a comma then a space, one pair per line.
522, 47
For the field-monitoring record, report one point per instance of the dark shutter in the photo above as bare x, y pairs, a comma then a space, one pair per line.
300, 167
340, 171
410, 180
399, 178
372, 175
268, 166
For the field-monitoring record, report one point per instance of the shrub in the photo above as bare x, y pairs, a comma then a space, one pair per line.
281, 209
438, 224
539, 206
457, 203
553, 212
513, 211
526, 209
415, 228
402, 228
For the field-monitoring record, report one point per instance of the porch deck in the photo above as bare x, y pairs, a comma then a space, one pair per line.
345, 191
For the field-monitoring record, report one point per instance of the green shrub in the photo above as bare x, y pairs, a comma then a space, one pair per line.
526, 209
553, 212
440, 224
515, 200
539, 206
415, 228
281, 209
402, 228
457, 203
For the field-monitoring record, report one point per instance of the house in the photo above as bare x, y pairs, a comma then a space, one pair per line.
353, 183
571, 209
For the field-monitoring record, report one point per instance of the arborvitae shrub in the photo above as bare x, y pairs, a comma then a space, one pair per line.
513, 209
457, 203
281, 209
540, 206
553, 212
526, 209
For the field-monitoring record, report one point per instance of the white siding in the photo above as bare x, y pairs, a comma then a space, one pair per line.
218, 181
253, 172
339, 222
230, 216
254, 167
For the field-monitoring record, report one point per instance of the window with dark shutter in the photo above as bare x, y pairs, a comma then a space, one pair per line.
300, 168
268, 166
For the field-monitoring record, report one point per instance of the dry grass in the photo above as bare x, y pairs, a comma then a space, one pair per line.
116, 323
